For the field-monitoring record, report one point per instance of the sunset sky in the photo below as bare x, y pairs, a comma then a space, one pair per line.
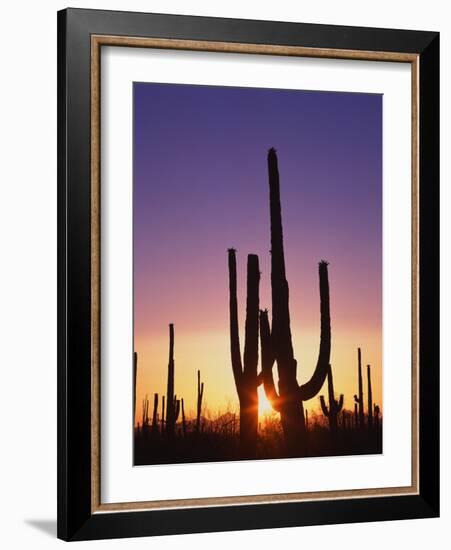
201, 187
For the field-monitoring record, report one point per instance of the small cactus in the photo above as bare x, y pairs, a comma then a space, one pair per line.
359, 399
200, 395
176, 408
376, 416
370, 398
335, 406
155, 413
183, 418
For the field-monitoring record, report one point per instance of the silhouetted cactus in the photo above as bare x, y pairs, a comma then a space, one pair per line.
183, 418
370, 398
135, 372
200, 395
176, 408
170, 404
145, 413
245, 372
155, 413
335, 406
276, 342
376, 417
162, 413
356, 416
359, 399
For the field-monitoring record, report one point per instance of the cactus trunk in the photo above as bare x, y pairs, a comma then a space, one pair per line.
245, 373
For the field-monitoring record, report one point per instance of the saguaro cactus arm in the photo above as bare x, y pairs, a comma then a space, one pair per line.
323, 405
314, 385
268, 362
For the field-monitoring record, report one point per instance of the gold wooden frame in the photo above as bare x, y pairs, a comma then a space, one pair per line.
97, 41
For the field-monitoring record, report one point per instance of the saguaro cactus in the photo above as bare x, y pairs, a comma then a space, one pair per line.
277, 343
359, 399
245, 372
162, 413
377, 412
155, 413
200, 395
170, 404
135, 372
334, 406
370, 398
145, 415
176, 409
183, 418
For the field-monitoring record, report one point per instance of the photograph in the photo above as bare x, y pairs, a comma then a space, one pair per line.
257, 273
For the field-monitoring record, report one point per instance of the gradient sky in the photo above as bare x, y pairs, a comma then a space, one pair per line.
201, 186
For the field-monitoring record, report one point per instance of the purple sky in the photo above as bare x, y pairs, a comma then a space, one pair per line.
200, 187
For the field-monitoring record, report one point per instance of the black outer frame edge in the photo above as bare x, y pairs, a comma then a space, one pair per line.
249, 517
429, 277
191, 27
75, 521
62, 465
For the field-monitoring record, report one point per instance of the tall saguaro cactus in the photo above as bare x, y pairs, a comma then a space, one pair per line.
277, 343
335, 406
370, 398
359, 399
200, 395
135, 372
245, 371
170, 405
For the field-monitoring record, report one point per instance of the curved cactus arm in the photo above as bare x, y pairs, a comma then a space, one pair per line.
356, 399
314, 385
268, 362
323, 405
339, 403
235, 352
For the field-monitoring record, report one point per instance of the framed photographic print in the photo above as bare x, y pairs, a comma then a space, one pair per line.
248, 274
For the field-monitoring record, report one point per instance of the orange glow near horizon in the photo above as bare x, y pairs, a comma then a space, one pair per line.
209, 352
